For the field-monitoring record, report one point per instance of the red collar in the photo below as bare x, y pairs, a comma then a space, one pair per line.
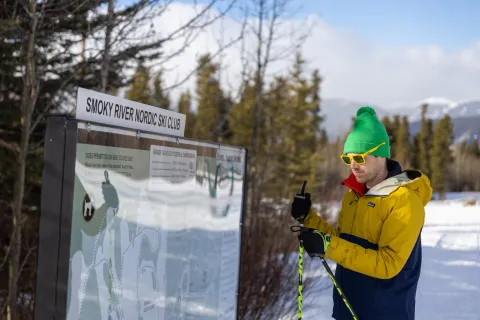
353, 184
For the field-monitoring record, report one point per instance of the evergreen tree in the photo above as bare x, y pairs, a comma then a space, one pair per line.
441, 155
414, 153
425, 142
224, 129
242, 115
394, 127
160, 98
38, 71
464, 148
315, 99
140, 90
185, 107
402, 145
323, 138
212, 105
475, 148
388, 126
277, 158
304, 106
352, 124
304, 124
302, 143
290, 129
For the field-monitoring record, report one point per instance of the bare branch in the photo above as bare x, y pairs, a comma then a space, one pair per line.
190, 27
7, 253
67, 7
11, 146
22, 266
195, 70
37, 147
66, 82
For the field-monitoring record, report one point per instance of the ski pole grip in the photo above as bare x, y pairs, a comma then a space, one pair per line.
303, 195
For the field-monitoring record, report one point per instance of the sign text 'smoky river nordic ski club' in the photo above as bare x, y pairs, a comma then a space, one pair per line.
102, 108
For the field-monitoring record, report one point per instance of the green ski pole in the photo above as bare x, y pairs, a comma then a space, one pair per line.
300, 280
340, 292
300, 259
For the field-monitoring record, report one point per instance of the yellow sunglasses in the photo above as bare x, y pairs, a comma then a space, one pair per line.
358, 158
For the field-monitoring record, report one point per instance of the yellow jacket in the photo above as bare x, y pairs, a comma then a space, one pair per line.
377, 245
390, 215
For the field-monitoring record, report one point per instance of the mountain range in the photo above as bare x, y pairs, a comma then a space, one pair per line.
465, 115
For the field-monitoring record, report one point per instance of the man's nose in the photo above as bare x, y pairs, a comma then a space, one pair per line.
354, 165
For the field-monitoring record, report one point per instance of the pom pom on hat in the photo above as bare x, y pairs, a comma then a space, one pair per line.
366, 109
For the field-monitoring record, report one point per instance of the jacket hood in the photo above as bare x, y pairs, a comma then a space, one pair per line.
412, 179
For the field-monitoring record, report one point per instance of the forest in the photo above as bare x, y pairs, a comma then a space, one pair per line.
52, 47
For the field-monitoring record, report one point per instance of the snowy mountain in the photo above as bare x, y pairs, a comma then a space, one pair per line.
466, 109
465, 114
438, 107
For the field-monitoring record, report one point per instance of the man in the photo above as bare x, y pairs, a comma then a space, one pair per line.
377, 244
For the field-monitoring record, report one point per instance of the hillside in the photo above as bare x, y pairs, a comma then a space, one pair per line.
463, 128
465, 115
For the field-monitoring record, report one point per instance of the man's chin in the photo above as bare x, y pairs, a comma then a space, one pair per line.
361, 179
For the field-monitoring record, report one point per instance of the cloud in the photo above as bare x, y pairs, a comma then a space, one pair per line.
353, 67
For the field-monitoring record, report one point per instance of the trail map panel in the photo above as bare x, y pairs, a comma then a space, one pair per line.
155, 227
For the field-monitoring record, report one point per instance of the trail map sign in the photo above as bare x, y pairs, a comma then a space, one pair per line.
137, 224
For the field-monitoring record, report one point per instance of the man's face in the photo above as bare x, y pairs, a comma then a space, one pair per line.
368, 171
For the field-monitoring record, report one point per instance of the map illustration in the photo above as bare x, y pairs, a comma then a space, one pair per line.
155, 234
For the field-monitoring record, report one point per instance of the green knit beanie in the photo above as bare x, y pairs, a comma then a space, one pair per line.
368, 132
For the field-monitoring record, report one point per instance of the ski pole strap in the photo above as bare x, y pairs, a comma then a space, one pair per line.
340, 292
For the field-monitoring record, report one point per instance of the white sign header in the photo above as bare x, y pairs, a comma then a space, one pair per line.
103, 108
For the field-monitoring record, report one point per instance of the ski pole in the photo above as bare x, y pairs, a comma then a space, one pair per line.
300, 259
300, 279
340, 292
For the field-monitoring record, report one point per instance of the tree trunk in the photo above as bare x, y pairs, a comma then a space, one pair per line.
16, 240
28, 101
106, 50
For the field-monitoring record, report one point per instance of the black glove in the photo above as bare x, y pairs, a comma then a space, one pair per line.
315, 242
301, 206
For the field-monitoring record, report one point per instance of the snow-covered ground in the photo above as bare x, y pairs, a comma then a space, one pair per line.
449, 286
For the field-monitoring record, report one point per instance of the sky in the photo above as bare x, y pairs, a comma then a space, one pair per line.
449, 24
385, 53
446, 23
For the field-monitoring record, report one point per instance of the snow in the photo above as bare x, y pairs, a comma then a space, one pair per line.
449, 286
437, 100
